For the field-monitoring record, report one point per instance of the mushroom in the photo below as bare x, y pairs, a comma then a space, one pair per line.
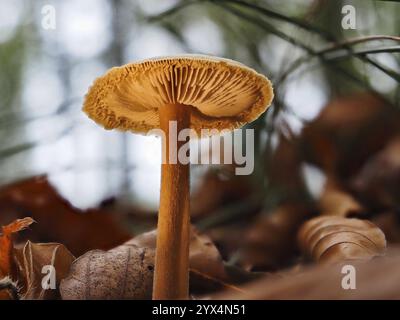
198, 92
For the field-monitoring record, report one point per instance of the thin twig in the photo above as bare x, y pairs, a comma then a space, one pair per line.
357, 40
228, 5
297, 63
13, 150
173, 10
266, 26
276, 15
365, 51
15, 118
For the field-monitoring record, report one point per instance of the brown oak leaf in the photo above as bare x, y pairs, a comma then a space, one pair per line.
333, 239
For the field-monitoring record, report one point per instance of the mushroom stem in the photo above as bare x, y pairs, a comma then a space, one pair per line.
171, 273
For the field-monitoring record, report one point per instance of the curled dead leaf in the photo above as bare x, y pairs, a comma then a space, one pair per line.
32, 258
7, 265
6, 243
334, 239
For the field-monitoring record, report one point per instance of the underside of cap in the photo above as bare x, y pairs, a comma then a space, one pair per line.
222, 94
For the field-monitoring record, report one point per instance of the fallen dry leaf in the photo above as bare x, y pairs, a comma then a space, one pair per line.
126, 272
284, 168
7, 265
207, 270
347, 131
378, 182
6, 244
32, 258
57, 220
389, 223
270, 241
229, 237
214, 192
203, 255
375, 279
334, 239
336, 201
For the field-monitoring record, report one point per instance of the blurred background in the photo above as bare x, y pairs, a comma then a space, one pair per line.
314, 63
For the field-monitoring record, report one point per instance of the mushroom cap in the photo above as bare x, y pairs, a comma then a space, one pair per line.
222, 93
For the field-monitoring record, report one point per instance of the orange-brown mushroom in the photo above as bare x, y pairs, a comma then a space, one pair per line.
198, 92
